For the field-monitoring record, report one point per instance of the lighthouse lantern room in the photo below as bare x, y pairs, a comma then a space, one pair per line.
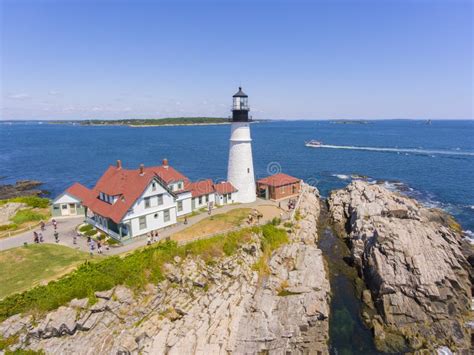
240, 167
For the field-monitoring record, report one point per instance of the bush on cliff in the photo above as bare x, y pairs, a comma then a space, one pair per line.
134, 270
30, 201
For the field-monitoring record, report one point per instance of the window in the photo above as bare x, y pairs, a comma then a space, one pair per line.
101, 195
153, 186
206, 198
142, 221
147, 202
166, 215
248, 170
180, 185
180, 206
64, 207
200, 199
160, 200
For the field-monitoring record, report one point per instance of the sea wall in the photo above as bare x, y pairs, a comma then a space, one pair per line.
204, 308
418, 289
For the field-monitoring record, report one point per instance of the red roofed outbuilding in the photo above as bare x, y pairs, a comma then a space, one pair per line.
279, 186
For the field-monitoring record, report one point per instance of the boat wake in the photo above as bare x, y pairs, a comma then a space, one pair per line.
398, 150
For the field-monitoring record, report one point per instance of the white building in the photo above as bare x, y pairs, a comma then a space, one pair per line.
127, 203
240, 171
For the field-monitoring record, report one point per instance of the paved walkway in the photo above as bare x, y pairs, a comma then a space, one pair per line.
67, 227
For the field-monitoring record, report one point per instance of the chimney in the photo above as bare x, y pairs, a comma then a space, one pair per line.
165, 163
142, 167
119, 164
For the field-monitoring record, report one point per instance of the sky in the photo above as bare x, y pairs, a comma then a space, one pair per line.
339, 59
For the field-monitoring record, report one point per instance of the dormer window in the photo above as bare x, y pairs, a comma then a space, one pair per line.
101, 196
180, 185
153, 186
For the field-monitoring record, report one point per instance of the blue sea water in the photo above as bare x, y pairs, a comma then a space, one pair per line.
434, 163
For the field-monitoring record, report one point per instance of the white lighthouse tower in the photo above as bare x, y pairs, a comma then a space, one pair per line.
240, 168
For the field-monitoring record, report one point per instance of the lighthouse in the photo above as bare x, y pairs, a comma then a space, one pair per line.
240, 167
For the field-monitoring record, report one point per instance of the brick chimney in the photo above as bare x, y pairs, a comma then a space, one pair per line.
142, 167
165, 163
119, 164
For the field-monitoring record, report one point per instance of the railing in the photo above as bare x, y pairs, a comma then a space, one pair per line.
104, 229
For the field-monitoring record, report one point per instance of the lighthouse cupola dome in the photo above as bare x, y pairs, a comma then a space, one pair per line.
240, 106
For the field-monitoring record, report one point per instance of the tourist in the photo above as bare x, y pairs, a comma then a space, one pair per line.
56, 236
35, 237
99, 248
40, 237
42, 226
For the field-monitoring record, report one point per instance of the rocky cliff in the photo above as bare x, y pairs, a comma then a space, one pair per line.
202, 308
411, 260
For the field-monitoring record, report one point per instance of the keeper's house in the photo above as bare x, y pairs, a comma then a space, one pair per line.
278, 187
127, 203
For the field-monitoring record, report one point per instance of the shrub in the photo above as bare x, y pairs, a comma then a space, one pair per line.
31, 201
23, 216
275, 221
90, 232
7, 227
86, 227
288, 225
272, 238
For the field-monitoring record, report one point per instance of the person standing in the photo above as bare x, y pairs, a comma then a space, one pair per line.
55, 224
185, 220
40, 237
56, 236
99, 248
42, 226
35, 237
91, 246
148, 239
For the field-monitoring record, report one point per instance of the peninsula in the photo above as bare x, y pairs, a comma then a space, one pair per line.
150, 122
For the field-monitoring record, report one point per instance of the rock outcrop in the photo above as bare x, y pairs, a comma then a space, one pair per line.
411, 260
203, 308
21, 188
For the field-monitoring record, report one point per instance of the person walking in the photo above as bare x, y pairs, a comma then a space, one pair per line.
35, 237
91, 246
99, 248
55, 224
42, 226
56, 236
40, 237
185, 220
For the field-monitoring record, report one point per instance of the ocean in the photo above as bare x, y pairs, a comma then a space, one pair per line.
433, 163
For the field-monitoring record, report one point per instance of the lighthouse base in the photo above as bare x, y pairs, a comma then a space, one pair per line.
240, 168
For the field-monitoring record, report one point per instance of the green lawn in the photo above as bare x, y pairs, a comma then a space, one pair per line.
24, 267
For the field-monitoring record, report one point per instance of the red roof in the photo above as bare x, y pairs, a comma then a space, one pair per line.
200, 188
279, 179
79, 191
224, 188
127, 184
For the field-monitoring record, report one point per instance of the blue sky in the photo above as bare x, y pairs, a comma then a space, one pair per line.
296, 59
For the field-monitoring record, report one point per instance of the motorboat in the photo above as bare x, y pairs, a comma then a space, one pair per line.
313, 144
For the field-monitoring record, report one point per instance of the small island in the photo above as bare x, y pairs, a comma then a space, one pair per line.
150, 122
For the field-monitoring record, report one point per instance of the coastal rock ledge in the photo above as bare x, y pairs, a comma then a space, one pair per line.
202, 308
410, 257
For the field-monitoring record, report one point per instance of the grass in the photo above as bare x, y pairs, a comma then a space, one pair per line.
213, 224
134, 270
30, 201
28, 215
272, 239
24, 267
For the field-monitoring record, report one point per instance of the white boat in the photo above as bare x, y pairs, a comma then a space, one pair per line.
313, 144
